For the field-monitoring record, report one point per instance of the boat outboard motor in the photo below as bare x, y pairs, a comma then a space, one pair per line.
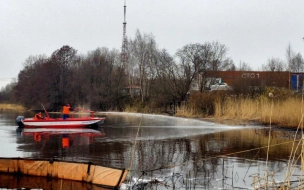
19, 121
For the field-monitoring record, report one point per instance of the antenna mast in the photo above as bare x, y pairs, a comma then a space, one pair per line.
124, 38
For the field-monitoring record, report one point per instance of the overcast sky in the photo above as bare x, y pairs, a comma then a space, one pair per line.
253, 30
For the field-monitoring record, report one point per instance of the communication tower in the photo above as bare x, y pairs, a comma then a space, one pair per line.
124, 38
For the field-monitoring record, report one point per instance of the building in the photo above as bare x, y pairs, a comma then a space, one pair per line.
252, 79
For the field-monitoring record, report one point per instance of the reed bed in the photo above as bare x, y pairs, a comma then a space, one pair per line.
284, 113
6, 106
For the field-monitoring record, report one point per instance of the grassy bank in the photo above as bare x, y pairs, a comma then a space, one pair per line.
7, 106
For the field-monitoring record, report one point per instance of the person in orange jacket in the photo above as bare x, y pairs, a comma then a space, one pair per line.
66, 111
38, 116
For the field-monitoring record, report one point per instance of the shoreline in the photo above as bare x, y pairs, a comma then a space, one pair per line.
219, 120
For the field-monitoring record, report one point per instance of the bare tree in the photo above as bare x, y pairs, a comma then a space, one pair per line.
244, 66
94, 80
64, 59
274, 64
297, 63
232, 67
166, 87
198, 59
192, 62
100, 80
218, 60
294, 60
30, 88
143, 48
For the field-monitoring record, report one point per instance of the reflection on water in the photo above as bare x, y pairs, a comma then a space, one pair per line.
39, 183
68, 137
166, 150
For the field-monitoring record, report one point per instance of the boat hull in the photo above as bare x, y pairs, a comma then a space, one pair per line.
62, 123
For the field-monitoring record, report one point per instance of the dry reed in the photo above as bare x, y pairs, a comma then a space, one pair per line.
285, 112
16, 107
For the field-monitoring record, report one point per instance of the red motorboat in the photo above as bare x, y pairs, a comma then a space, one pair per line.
62, 123
48, 122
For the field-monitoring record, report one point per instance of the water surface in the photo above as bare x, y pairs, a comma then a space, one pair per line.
171, 152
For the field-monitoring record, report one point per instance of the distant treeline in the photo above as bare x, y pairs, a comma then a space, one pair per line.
149, 79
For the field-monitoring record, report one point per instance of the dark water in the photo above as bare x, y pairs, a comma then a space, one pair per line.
163, 152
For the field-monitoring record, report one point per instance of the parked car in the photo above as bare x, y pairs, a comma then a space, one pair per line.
220, 86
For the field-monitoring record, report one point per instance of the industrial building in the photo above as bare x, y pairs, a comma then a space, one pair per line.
252, 79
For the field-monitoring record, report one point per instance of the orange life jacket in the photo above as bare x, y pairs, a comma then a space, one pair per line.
38, 116
66, 110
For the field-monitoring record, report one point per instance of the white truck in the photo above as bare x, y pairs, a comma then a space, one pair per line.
220, 86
